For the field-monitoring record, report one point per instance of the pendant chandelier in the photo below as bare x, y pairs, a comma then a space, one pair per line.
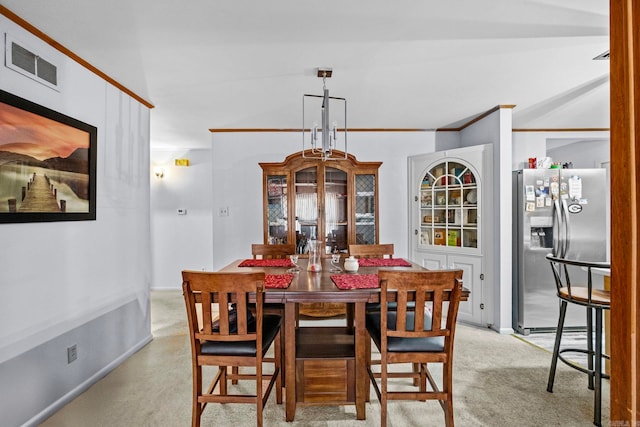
323, 139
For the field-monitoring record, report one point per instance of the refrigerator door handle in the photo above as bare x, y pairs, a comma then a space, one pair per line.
565, 214
557, 229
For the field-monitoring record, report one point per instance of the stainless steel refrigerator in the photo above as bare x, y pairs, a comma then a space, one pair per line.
559, 211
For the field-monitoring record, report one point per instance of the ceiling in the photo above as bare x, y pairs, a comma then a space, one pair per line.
416, 64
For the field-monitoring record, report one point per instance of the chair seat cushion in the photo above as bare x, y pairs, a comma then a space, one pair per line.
270, 326
404, 345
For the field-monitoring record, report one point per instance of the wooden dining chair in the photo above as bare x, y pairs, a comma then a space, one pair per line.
272, 251
261, 251
384, 250
230, 340
372, 251
595, 301
408, 336
277, 251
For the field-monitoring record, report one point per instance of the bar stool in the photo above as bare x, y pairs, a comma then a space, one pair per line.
595, 300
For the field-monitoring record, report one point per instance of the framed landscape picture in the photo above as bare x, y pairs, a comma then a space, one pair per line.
47, 164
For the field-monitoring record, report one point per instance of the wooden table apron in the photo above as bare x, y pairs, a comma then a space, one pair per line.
309, 287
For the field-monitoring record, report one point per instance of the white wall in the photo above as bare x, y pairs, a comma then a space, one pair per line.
583, 154
447, 140
495, 129
80, 282
590, 146
181, 242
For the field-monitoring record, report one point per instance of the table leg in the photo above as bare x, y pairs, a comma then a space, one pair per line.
349, 316
362, 378
290, 360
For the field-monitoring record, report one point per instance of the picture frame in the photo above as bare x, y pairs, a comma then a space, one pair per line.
47, 164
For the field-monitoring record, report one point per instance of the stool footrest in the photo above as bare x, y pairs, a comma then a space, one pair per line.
578, 366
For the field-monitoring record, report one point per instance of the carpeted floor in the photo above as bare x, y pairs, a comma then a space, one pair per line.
499, 380
546, 340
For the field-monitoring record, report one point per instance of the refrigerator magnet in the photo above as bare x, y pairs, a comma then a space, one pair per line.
540, 202
530, 207
530, 193
575, 187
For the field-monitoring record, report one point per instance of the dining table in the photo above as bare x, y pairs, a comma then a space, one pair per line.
314, 353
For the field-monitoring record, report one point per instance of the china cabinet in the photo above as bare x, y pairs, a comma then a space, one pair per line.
448, 218
335, 201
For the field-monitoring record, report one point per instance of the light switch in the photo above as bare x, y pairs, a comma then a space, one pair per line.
182, 211
224, 211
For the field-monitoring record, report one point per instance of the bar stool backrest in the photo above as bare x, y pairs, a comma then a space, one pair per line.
579, 293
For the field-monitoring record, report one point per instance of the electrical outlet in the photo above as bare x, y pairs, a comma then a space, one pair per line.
72, 353
224, 211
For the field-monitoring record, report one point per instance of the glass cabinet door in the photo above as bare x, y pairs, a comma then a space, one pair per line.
449, 206
365, 209
277, 209
335, 210
306, 208
334, 201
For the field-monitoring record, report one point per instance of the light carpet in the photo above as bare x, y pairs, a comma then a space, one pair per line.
499, 380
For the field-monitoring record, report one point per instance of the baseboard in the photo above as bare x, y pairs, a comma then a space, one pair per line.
81, 388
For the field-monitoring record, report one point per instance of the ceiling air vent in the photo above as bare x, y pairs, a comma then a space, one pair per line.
603, 56
26, 62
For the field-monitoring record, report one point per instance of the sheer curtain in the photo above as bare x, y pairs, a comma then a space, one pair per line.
307, 206
331, 211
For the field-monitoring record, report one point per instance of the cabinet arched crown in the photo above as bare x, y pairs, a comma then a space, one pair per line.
335, 201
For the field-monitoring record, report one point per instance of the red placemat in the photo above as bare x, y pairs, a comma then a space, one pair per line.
266, 263
356, 281
277, 281
383, 262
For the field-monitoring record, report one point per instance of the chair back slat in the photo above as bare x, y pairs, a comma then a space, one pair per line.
384, 250
241, 309
272, 251
420, 287
419, 314
401, 317
437, 308
230, 293
207, 319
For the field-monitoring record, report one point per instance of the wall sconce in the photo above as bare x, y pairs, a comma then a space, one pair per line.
158, 171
